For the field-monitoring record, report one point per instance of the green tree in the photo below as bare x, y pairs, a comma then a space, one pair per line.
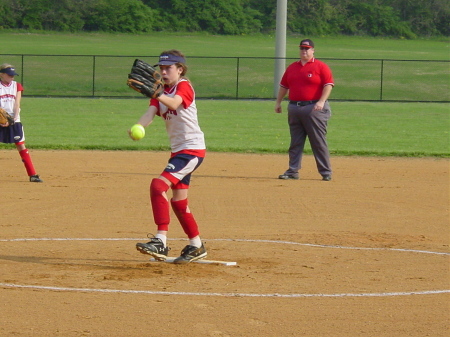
400, 18
130, 16
9, 18
63, 15
309, 17
425, 17
213, 16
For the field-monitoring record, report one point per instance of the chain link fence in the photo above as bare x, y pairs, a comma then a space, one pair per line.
232, 77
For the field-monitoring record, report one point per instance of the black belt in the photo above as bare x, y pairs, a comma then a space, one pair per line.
302, 103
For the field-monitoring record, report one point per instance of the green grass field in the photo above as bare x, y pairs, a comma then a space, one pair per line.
86, 65
356, 128
368, 129
230, 78
198, 44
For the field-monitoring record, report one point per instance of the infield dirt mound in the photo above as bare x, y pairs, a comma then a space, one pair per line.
365, 232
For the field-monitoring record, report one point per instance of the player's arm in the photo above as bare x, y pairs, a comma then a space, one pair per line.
325, 94
171, 102
147, 118
16, 108
281, 94
328, 84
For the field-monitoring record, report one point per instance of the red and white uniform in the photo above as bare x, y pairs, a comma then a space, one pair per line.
8, 96
182, 124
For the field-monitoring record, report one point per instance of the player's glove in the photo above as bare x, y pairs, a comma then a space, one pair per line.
145, 79
5, 117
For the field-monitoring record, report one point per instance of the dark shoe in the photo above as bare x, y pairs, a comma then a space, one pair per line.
288, 176
191, 253
36, 179
155, 247
326, 178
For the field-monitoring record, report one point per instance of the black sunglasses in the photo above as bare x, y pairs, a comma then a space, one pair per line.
305, 48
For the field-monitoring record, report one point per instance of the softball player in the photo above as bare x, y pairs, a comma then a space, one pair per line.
176, 106
10, 98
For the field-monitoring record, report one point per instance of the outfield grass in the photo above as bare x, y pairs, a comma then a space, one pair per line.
400, 129
86, 65
229, 78
369, 129
198, 44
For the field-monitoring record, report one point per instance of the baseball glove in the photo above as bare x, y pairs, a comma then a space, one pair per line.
145, 79
5, 117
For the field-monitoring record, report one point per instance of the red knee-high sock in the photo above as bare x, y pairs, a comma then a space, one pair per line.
186, 219
26, 159
160, 204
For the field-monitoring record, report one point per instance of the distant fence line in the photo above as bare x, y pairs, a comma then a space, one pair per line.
104, 76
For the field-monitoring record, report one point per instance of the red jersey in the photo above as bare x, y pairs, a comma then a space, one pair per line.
306, 82
182, 124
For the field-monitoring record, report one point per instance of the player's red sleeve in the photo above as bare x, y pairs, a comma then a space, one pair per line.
327, 75
19, 87
284, 79
186, 92
154, 102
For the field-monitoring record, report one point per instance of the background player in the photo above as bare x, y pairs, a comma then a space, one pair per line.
10, 99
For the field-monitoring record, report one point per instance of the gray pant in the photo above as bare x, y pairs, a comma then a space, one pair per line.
304, 122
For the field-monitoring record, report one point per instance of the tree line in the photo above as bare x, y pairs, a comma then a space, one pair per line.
394, 18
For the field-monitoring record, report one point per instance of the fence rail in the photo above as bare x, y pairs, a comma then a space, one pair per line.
232, 77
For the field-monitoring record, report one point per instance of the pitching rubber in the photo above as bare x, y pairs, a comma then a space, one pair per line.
224, 263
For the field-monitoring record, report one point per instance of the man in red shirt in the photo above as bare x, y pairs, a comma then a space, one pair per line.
309, 83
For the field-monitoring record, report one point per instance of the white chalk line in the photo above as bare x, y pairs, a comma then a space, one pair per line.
235, 240
149, 292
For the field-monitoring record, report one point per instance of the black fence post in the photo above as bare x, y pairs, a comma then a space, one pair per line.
93, 75
237, 78
381, 80
22, 70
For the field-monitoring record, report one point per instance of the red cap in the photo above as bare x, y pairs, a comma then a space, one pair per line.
307, 43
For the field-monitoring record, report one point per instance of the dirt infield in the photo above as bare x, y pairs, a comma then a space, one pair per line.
366, 254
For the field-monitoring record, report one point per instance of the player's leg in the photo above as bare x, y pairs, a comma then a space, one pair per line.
182, 167
177, 172
28, 163
157, 246
160, 202
317, 133
181, 209
19, 138
196, 249
298, 139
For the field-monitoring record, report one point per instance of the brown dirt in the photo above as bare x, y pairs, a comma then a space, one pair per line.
298, 239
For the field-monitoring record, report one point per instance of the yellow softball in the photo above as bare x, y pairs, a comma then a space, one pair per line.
137, 132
